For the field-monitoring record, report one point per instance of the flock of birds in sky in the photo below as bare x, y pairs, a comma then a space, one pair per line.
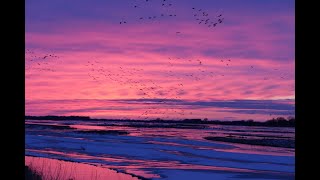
200, 16
147, 88
40, 62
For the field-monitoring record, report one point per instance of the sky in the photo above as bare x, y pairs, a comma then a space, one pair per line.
172, 59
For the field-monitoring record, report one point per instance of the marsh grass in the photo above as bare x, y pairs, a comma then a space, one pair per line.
31, 174
41, 169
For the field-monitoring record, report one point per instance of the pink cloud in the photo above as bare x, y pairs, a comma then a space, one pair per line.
120, 51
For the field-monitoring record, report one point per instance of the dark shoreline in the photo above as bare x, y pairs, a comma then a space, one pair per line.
278, 122
284, 143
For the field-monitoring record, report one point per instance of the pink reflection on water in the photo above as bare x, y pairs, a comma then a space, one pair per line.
88, 127
132, 169
143, 173
93, 127
200, 133
139, 166
238, 148
62, 170
255, 149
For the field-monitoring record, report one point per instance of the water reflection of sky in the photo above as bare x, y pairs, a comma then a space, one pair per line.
151, 152
140, 167
194, 134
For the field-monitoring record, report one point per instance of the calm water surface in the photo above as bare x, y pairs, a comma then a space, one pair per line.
164, 153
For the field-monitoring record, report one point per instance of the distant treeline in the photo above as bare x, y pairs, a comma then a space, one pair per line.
275, 122
58, 117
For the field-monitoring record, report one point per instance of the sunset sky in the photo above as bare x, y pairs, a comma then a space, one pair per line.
160, 63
